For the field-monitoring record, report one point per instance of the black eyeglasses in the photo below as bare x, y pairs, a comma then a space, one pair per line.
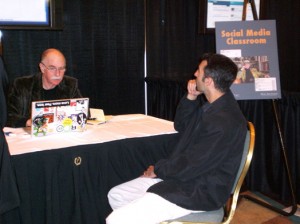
54, 69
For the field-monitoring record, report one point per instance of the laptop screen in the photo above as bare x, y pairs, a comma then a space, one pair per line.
59, 116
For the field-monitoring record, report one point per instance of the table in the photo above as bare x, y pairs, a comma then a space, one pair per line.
64, 178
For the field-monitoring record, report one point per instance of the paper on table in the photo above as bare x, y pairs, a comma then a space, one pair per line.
97, 116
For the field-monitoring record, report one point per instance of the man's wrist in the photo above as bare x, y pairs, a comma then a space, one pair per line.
191, 96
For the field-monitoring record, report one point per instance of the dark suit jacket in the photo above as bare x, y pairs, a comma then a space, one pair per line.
26, 89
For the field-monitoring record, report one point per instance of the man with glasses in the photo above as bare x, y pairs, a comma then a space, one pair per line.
50, 84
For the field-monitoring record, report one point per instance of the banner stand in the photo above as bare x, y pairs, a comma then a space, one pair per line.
286, 163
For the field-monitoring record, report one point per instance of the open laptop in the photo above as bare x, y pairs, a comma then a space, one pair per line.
59, 116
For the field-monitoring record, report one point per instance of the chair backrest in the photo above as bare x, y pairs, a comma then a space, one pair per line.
243, 169
201, 217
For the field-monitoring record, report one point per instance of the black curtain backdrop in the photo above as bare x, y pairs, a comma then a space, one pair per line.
104, 40
174, 43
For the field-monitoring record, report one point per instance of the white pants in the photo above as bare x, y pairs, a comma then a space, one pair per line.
133, 205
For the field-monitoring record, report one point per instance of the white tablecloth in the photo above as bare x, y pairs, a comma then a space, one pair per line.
119, 127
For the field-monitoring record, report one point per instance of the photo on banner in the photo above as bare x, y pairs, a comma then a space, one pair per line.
252, 45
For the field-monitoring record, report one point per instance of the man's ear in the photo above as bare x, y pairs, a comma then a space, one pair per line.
208, 81
42, 68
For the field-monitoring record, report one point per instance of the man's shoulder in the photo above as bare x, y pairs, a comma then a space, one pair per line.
26, 77
69, 79
25, 80
69, 83
226, 110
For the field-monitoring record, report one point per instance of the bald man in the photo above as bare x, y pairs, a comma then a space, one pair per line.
50, 84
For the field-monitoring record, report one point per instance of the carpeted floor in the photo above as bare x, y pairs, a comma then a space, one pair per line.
249, 212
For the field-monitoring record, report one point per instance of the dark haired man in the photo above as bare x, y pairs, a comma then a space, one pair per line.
199, 173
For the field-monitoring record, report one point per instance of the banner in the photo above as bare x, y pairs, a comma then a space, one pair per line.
252, 45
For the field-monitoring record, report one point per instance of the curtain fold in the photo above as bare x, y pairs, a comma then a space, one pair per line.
173, 42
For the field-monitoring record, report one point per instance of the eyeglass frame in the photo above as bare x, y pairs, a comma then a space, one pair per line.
54, 69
